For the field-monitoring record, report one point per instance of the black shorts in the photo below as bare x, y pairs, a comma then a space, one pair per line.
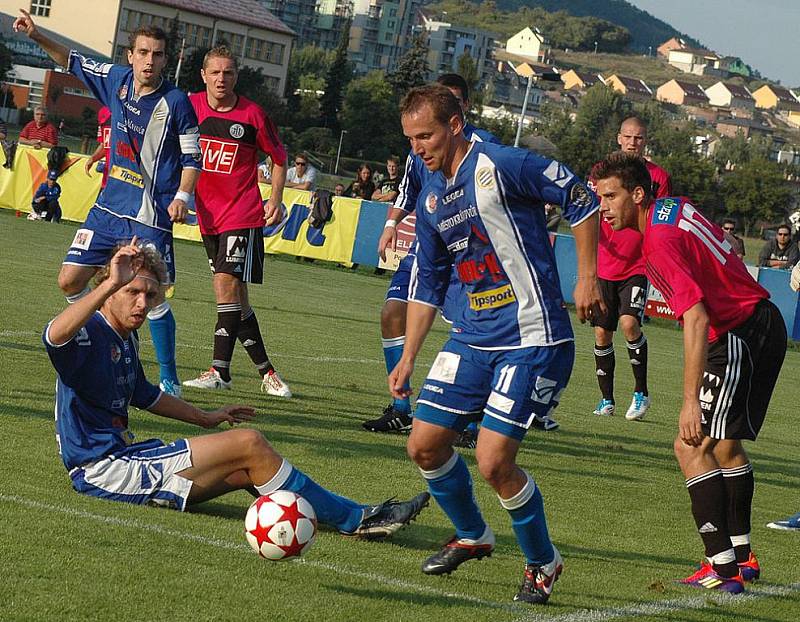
627, 297
740, 374
239, 252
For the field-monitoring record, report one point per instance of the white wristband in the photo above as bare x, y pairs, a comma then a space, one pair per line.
390, 223
180, 195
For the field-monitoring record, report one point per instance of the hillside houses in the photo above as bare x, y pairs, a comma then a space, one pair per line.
681, 93
773, 97
724, 95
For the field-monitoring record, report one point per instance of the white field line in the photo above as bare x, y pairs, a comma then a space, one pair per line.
316, 359
654, 609
244, 548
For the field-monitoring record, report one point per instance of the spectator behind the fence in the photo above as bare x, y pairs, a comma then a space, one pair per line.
39, 132
553, 216
338, 190
302, 175
45, 202
780, 253
389, 187
729, 227
265, 171
362, 187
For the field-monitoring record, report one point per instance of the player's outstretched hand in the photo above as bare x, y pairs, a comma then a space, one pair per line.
398, 377
230, 415
588, 300
177, 211
125, 264
87, 167
689, 428
388, 240
24, 23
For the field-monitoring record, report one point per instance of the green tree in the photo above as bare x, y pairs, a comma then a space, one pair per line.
173, 51
757, 191
5, 58
190, 79
593, 134
338, 77
371, 118
737, 150
412, 68
468, 70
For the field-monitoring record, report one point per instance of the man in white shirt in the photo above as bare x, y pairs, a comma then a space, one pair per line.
302, 175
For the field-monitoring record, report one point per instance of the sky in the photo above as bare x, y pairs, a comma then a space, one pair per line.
765, 34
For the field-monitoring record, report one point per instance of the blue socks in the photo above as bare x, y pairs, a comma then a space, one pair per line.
392, 351
529, 523
331, 509
451, 486
162, 331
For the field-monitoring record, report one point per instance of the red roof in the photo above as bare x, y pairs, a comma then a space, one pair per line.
247, 12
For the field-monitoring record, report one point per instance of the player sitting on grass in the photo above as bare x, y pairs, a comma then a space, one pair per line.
94, 350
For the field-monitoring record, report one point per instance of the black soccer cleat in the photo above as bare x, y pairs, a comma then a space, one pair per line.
386, 519
391, 420
467, 439
456, 552
537, 584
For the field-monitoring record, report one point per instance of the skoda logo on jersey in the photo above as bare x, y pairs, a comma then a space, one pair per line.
430, 203
115, 353
484, 177
123, 91
237, 130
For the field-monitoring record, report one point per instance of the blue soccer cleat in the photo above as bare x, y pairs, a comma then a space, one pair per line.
787, 524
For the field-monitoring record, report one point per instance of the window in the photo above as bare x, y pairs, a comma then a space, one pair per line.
40, 8
69, 90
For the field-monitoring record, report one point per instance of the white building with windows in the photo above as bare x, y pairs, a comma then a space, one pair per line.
260, 39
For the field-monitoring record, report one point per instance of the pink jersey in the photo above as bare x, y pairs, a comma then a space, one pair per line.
619, 254
689, 260
227, 195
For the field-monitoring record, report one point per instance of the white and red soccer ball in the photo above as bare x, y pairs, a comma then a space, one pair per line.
280, 525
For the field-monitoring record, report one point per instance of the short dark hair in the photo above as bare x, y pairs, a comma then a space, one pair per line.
153, 32
630, 169
729, 221
784, 226
221, 51
393, 158
443, 103
454, 81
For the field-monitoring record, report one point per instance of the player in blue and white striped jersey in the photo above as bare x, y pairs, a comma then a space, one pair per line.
397, 415
91, 345
511, 350
154, 164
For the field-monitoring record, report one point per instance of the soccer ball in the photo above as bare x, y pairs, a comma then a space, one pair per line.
280, 525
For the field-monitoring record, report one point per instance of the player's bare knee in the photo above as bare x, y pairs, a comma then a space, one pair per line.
630, 328
427, 457
253, 444
495, 470
68, 282
393, 319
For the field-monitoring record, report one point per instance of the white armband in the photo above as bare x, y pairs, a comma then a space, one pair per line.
180, 195
390, 223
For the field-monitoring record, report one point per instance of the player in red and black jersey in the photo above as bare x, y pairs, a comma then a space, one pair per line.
231, 216
734, 346
621, 273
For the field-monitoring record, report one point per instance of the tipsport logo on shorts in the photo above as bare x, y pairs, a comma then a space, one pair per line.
492, 298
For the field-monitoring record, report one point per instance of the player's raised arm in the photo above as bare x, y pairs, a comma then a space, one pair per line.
122, 270
59, 53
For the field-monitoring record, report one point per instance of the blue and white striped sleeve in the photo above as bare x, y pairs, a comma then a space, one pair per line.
408, 191
188, 132
430, 273
101, 78
550, 181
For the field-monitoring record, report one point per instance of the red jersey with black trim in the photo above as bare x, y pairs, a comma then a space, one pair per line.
104, 138
619, 253
227, 195
689, 260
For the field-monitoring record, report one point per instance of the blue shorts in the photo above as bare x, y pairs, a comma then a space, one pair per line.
508, 388
398, 288
102, 231
145, 474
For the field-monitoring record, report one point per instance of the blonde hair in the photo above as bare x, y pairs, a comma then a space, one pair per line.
153, 263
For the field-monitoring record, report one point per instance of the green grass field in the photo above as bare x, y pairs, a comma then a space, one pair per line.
615, 499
